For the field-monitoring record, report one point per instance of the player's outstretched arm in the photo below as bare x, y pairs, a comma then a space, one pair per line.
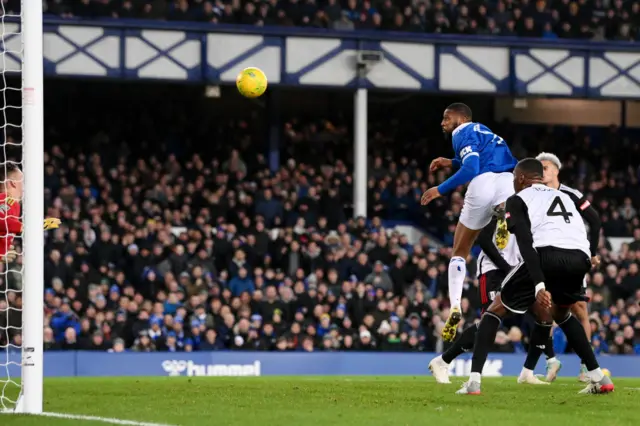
430, 195
591, 216
440, 163
485, 241
470, 169
11, 225
518, 224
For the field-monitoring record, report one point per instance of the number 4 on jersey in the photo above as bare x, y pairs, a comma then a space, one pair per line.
557, 209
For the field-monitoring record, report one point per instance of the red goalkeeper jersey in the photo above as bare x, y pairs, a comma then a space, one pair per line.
10, 224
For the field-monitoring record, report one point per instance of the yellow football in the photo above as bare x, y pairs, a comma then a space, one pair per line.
251, 82
606, 372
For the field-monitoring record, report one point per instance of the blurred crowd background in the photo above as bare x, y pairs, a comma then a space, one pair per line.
201, 224
178, 235
581, 19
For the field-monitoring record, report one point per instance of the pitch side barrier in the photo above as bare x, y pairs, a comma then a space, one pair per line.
227, 363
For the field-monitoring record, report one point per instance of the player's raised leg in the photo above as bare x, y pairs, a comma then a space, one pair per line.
477, 211
499, 252
483, 160
462, 242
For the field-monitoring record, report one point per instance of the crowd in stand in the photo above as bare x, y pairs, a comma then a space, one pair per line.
582, 19
168, 248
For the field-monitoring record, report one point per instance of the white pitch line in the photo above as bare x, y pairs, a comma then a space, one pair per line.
107, 420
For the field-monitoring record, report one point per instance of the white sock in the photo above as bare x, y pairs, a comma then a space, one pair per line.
550, 360
475, 377
457, 274
526, 372
582, 366
595, 375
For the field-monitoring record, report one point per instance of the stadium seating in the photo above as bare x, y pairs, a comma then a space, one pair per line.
172, 245
598, 20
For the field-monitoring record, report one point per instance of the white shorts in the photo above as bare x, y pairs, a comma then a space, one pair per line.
485, 192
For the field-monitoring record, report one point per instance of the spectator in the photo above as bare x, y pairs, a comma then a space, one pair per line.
241, 283
379, 278
190, 247
583, 20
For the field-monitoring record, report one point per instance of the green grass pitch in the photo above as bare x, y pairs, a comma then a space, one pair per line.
331, 401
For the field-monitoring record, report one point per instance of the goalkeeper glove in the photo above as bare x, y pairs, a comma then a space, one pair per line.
10, 256
51, 223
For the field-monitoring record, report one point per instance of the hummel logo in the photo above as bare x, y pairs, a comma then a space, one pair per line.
174, 367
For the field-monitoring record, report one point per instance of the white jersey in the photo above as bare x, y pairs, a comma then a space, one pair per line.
507, 247
577, 197
555, 219
570, 190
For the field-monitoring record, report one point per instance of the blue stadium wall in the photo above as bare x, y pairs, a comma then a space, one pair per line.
204, 53
92, 364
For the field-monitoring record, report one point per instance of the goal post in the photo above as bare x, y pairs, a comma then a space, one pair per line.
31, 398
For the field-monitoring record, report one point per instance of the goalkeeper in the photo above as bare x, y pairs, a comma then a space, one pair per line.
10, 194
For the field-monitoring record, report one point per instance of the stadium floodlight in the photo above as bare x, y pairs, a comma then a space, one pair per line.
21, 345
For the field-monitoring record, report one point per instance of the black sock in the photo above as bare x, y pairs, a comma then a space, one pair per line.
537, 344
578, 341
464, 343
485, 337
548, 348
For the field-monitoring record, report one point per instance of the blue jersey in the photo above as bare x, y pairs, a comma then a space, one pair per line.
492, 151
492, 155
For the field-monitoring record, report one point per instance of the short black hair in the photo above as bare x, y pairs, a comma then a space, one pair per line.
531, 167
462, 109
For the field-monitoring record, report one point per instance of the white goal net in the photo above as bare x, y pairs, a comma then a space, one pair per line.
11, 265
21, 288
